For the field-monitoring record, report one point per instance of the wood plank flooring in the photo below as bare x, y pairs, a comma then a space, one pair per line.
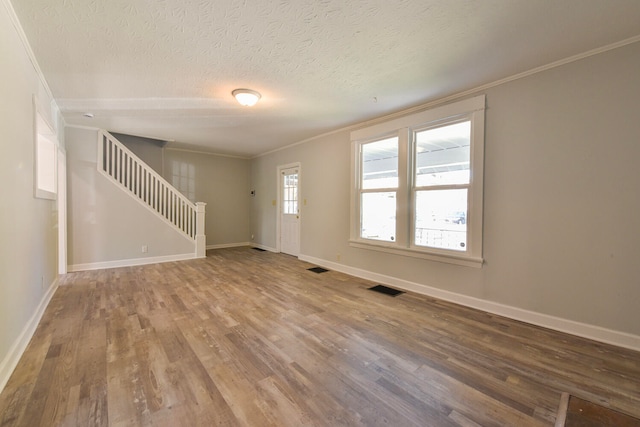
582, 413
249, 338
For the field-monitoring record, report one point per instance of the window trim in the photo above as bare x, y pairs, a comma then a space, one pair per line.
44, 137
404, 127
399, 189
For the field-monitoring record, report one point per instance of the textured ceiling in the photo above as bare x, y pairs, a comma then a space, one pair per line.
166, 68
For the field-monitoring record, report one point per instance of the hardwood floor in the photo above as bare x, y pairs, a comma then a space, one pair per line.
249, 338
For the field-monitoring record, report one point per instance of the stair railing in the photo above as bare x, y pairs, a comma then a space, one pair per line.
130, 173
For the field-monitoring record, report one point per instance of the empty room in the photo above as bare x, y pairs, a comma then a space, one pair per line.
320, 213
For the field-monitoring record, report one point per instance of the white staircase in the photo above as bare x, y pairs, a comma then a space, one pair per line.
132, 175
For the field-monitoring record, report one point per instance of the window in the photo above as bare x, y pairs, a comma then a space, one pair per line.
441, 184
418, 184
379, 187
290, 192
45, 158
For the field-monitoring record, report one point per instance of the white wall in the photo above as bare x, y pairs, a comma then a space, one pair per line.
561, 204
223, 184
28, 226
108, 227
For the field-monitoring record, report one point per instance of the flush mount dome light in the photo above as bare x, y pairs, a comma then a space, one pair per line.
246, 97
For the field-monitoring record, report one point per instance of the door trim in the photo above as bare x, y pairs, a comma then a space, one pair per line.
281, 168
62, 211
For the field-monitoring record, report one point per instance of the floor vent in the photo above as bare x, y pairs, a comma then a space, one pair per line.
318, 270
259, 249
386, 290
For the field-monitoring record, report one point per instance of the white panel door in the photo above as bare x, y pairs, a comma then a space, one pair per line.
289, 212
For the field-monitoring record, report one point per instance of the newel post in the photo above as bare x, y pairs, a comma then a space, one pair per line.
201, 239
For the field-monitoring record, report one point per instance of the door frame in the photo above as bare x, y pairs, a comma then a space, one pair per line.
62, 211
281, 168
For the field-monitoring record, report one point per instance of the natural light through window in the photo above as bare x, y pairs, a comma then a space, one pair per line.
290, 196
441, 179
442, 155
418, 184
441, 219
379, 186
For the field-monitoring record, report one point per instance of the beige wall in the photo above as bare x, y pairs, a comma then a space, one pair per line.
223, 184
561, 192
561, 200
28, 226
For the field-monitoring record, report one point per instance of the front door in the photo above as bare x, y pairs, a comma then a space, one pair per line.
289, 211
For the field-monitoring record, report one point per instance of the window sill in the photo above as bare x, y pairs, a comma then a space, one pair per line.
463, 260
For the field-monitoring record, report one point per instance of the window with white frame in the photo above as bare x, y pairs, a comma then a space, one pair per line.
418, 184
379, 188
290, 193
45, 158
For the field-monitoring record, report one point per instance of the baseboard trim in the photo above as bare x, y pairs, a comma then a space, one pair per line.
266, 248
228, 245
12, 358
596, 333
130, 262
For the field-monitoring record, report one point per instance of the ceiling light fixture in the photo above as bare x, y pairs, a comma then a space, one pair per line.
246, 97
88, 115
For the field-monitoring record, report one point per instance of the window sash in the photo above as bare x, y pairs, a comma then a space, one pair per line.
448, 148
441, 226
383, 158
378, 215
